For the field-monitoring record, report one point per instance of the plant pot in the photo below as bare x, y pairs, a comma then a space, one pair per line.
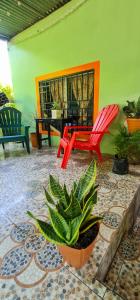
133, 124
33, 139
56, 113
120, 166
77, 257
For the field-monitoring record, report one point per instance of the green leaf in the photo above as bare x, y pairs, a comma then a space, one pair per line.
47, 231
86, 182
74, 187
59, 224
75, 225
93, 188
67, 197
57, 190
91, 201
49, 198
93, 220
74, 209
30, 215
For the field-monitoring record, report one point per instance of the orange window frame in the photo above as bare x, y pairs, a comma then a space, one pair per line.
93, 65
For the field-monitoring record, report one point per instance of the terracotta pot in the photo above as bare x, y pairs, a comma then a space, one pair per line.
75, 257
33, 138
133, 124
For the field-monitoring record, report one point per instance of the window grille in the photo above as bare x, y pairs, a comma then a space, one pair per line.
74, 93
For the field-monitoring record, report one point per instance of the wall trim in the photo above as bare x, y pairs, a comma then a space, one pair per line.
92, 65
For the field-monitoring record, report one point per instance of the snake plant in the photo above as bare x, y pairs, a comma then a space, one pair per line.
70, 214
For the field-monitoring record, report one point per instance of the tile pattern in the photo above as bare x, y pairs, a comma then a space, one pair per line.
14, 262
45, 277
21, 232
17, 259
34, 243
111, 219
49, 257
124, 275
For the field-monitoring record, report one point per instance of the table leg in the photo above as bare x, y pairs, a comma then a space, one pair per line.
38, 135
49, 135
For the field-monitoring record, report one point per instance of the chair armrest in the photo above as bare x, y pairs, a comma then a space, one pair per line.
67, 128
78, 127
90, 132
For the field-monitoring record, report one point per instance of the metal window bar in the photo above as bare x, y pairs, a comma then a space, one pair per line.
79, 106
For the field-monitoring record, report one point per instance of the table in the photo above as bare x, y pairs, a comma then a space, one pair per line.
59, 124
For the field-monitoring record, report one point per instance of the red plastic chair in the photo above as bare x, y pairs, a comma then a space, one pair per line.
94, 137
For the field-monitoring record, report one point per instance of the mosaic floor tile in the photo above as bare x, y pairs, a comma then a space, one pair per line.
22, 231
119, 210
34, 243
111, 219
106, 233
67, 287
111, 296
98, 288
31, 276
6, 245
128, 283
123, 276
129, 249
24, 191
49, 257
14, 262
113, 274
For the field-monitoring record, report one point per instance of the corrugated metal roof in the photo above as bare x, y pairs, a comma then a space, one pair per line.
15, 16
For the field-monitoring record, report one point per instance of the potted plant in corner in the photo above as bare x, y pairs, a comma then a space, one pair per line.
132, 112
56, 110
121, 143
71, 224
134, 147
33, 133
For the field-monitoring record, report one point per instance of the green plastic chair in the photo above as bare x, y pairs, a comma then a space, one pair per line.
12, 129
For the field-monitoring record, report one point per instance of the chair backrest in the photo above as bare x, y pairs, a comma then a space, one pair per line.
10, 121
104, 119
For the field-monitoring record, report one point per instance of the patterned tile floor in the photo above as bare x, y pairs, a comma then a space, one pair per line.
124, 274
30, 267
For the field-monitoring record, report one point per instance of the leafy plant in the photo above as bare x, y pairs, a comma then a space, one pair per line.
134, 147
132, 110
121, 143
127, 145
70, 214
8, 91
138, 107
55, 105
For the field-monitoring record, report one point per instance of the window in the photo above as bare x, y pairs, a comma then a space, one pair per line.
74, 93
75, 89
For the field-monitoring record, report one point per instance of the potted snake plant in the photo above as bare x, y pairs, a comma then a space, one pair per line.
71, 224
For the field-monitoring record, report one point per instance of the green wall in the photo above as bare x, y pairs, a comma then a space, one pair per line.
97, 30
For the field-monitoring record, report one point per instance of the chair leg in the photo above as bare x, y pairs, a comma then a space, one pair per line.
66, 157
27, 144
3, 146
23, 144
59, 150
